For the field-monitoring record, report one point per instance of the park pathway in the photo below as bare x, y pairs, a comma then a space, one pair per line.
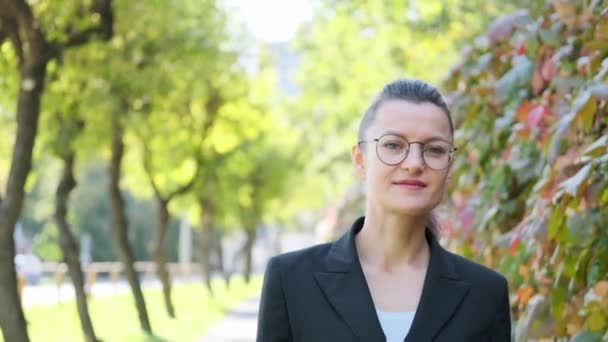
239, 325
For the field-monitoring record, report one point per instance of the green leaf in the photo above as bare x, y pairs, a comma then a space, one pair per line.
532, 45
586, 336
555, 222
579, 228
596, 321
558, 297
605, 196
600, 91
584, 108
602, 72
574, 185
550, 37
514, 79
597, 148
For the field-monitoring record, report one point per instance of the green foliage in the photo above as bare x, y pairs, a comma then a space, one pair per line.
529, 98
348, 52
46, 244
174, 79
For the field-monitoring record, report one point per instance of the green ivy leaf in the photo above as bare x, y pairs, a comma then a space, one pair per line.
584, 108
578, 228
515, 79
596, 321
586, 336
558, 297
555, 223
550, 37
574, 185
605, 196
597, 148
532, 45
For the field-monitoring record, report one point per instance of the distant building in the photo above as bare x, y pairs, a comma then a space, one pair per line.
286, 62
23, 243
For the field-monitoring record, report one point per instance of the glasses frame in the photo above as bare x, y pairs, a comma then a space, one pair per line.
409, 143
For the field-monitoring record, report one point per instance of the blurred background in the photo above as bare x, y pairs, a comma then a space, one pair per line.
154, 154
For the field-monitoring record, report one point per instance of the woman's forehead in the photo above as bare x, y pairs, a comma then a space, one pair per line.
422, 121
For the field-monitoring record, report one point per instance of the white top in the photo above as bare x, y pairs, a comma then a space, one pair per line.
395, 325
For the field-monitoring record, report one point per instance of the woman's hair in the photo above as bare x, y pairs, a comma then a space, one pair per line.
414, 91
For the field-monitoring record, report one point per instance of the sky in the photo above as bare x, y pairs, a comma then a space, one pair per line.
272, 20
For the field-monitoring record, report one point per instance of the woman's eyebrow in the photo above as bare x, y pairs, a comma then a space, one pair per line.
434, 137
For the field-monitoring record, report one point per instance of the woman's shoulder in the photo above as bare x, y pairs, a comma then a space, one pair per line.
304, 256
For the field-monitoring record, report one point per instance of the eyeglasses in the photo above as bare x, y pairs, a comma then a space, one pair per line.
393, 149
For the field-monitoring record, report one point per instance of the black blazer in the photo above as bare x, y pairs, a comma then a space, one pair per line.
320, 294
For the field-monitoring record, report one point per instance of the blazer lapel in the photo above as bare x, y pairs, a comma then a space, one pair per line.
442, 293
346, 289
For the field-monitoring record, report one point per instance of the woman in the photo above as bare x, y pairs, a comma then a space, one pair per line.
387, 278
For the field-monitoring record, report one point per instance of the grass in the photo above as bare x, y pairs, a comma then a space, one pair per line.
115, 318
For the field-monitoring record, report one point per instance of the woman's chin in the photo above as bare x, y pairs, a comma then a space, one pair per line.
411, 209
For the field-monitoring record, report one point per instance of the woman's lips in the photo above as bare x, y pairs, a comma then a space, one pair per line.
411, 184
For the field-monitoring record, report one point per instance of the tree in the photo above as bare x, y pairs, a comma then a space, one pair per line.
120, 222
33, 50
181, 96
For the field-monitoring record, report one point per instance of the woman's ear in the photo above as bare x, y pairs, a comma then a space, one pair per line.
358, 159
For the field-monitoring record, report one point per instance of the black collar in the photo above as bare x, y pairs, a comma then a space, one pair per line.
346, 289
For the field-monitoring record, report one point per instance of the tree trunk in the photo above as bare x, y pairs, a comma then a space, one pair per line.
33, 53
248, 249
69, 246
206, 236
120, 225
32, 73
160, 254
219, 248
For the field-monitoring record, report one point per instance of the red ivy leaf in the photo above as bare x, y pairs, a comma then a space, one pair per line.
514, 243
521, 50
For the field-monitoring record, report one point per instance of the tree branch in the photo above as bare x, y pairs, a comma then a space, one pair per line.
3, 29
148, 169
16, 16
211, 107
105, 28
186, 187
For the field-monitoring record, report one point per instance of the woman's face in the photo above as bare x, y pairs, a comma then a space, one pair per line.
410, 187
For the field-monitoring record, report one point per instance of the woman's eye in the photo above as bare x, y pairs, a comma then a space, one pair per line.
393, 146
436, 150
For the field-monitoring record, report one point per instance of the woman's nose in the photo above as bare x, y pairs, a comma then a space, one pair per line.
413, 161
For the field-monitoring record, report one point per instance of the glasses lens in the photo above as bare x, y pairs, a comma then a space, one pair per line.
393, 149
437, 154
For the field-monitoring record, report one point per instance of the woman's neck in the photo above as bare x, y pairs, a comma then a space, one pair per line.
391, 242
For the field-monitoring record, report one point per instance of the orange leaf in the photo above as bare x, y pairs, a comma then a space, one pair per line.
522, 111
523, 271
573, 327
524, 293
601, 288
